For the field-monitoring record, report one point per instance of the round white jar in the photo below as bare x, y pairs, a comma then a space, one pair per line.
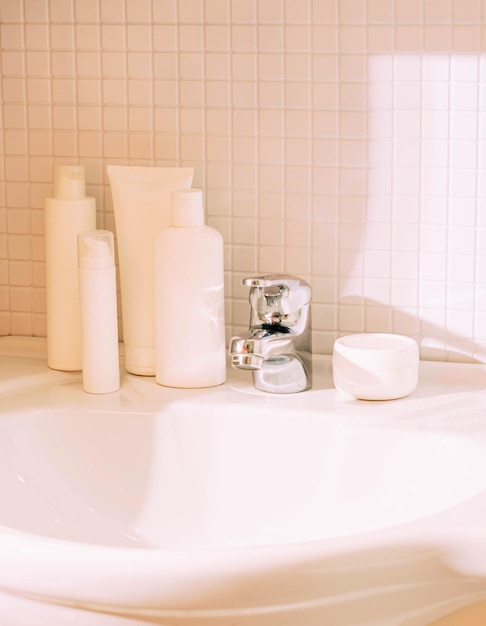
375, 366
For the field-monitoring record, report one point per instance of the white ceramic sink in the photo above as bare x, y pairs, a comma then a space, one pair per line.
154, 506
187, 477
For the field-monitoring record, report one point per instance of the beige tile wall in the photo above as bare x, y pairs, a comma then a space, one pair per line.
342, 140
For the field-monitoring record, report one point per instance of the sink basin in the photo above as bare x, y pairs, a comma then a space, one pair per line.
221, 477
165, 507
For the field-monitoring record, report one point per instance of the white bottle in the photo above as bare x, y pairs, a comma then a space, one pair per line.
189, 298
66, 214
99, 319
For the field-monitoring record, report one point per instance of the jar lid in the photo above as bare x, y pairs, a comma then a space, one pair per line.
378, 351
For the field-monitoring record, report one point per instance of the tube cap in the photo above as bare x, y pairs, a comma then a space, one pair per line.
187, 208
69, 182
96, 250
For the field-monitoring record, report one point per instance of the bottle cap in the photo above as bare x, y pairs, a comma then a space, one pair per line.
69, 182
187, 208
96, 250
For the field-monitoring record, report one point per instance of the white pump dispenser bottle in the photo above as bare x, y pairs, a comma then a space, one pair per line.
66, 214
189, 298
99, 319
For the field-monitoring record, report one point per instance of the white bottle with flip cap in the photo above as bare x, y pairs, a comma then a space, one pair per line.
99, 319
66, 214
189, 298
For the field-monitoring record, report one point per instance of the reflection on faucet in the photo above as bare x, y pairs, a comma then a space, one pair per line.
278, 346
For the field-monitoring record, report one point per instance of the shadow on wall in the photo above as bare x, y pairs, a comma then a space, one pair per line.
411, 249
435, 342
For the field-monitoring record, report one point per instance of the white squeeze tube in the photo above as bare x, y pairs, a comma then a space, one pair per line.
141, 203
99, 319
66, 214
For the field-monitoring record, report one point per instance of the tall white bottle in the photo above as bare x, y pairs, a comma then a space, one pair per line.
189, 298
99, 319
66, 214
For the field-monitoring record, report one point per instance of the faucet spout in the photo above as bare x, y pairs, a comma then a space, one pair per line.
246, 353
277, 347
246, 361
250, 352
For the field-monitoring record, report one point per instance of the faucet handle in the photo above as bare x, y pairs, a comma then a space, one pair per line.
300, 288
277, 299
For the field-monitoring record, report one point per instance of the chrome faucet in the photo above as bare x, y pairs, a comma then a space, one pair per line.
277, 347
